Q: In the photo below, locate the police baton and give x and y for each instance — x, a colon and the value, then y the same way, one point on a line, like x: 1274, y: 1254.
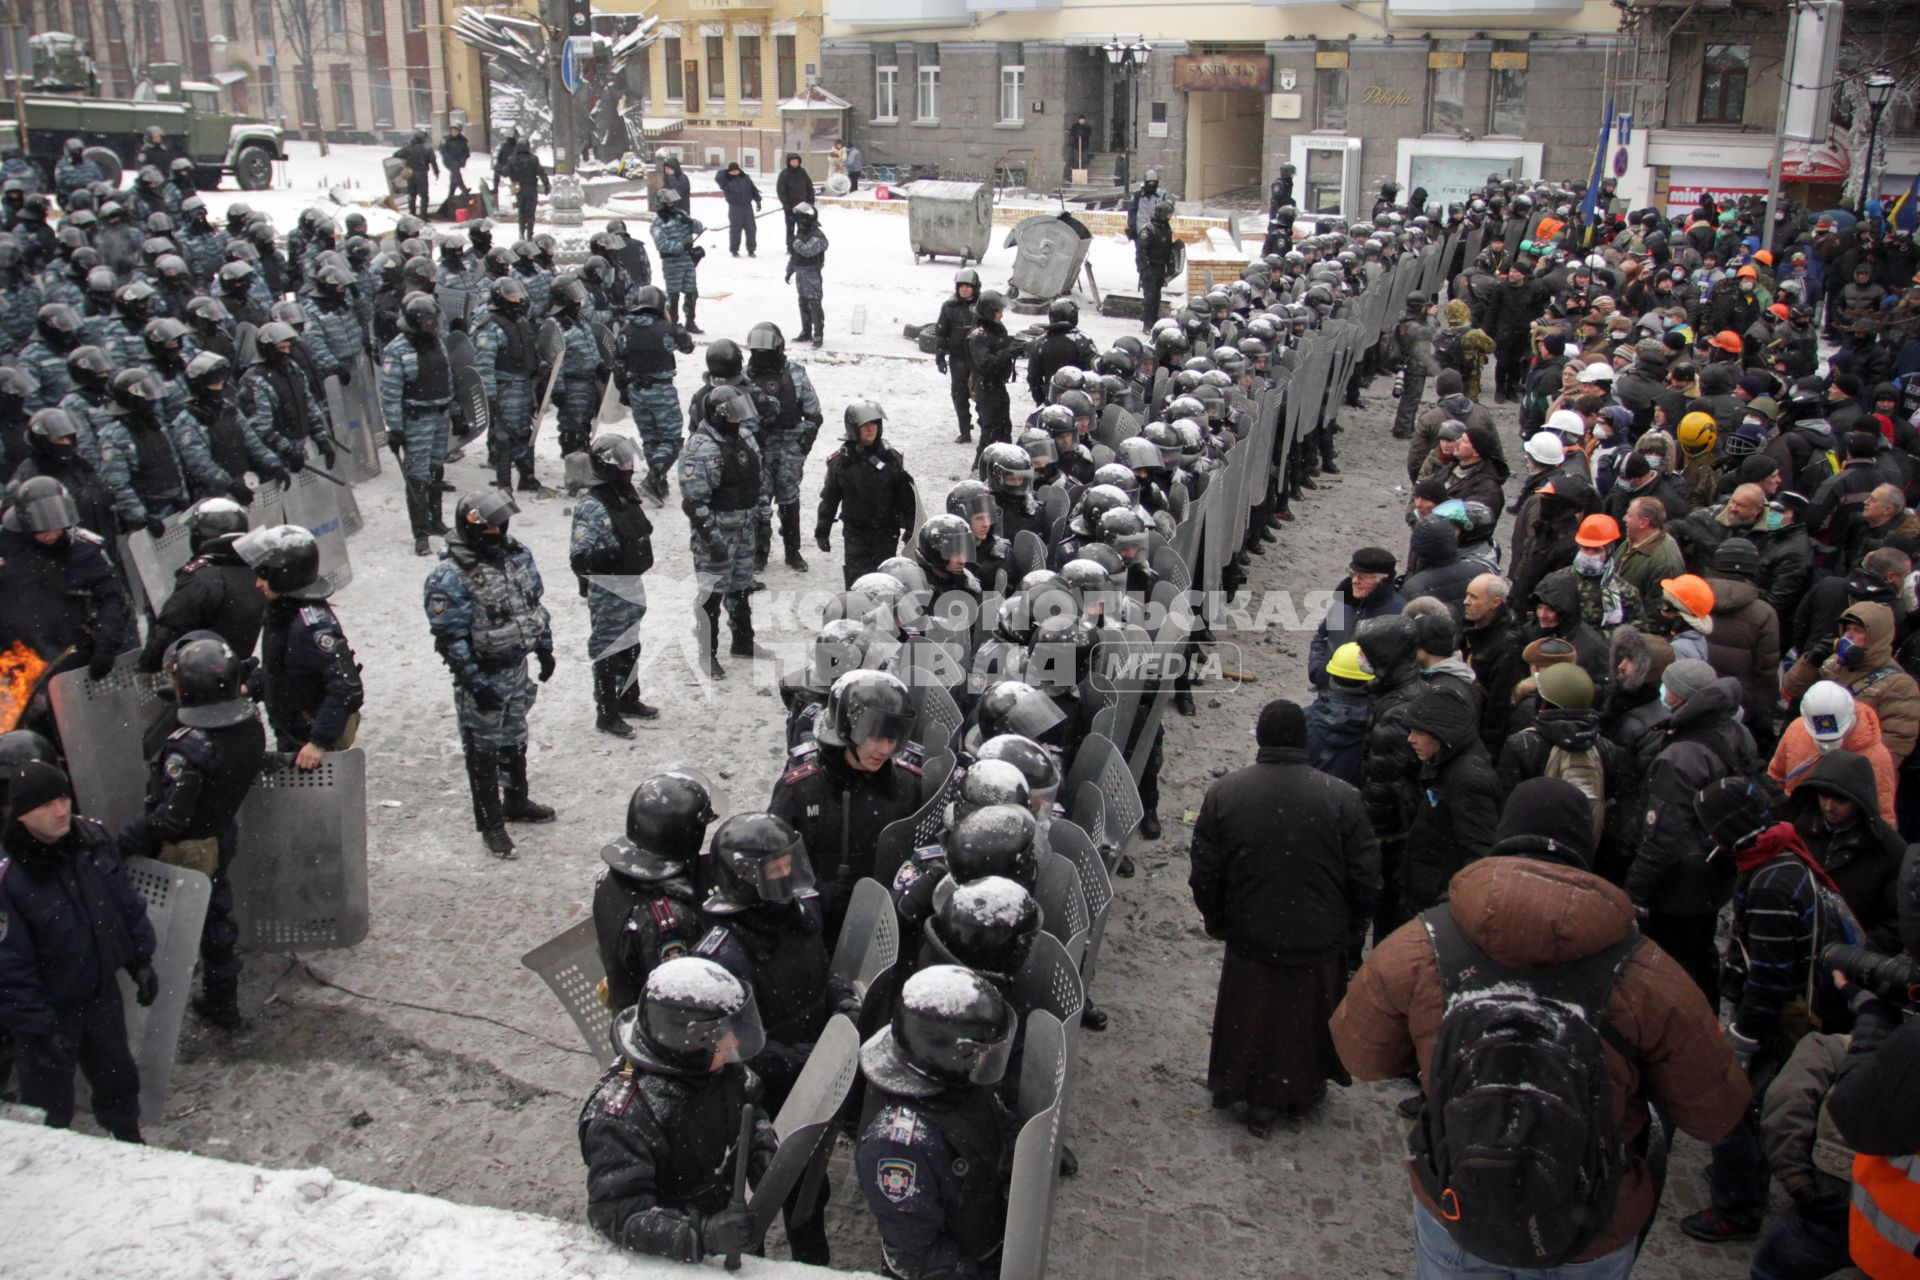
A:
x: 740, y: 1154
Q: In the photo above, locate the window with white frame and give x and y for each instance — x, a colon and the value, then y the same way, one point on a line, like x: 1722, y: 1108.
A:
x: 926, y: 102
x: 886, y: 93
x: 1013, y: 86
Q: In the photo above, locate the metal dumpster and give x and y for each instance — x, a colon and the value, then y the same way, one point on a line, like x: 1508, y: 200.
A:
x: 1050, y: 250
x: 951, y: 219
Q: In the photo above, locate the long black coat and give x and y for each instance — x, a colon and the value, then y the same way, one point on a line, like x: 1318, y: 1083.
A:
x: 1285, y: 867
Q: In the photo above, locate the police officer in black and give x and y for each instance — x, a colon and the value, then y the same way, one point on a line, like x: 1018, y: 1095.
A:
x: 53, y: 450
x: 846, y: 786
x: 1062, y: 345
x: 645, y: 909
x: 214, y: 591
x: 935, y: 1161
x: 659, y: 1133
x: 314, y: 693
x: 869, y: 490
x: 200, y: 777
x: 60, y: 590
x: 992, y: 352
x: 951, y: 332
x: 992, y: 840
x: 766, y: 930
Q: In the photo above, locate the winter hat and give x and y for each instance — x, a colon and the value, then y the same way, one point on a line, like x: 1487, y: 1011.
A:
x: 35, y: 783
x: 1282, y: 724
x: 1755, y: 385
x: 1548, y: 650
x: 1452, y: 429
x: 1549, y: 820
x: 1635, y: 468
x: 1847, y: 382
x: 1737, y: 556
x: 1449, y: 382
x: 1458, y: 312
x: 1546, y: 448
x: 1555, y: 344
x: 1435, y: 633
x: 1686, y: 677
x: 1484, y: 441
x: 1652, y: 352
x: 1371, y: 560
x: 1443, y: 712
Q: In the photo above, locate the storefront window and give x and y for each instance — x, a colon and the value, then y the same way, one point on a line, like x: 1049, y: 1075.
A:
x: 1446, y: 88
x: 1507, y: 105
x: 1723, y: 84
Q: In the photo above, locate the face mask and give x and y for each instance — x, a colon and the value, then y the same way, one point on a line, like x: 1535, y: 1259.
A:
x: 1590, y: 564
x: 1848, y: 653
x: 1602, y: 432
x: 1776, y: 520
x: 1654, y: 460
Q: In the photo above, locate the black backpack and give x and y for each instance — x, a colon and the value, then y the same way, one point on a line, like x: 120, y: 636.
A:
x: 1446, y: 351
x: 1516, y: 1142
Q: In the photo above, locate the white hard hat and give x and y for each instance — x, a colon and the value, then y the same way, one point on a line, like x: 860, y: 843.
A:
x: 1827, y: 711
x: 1600, y: 371
x: 1545, y: 448
x: 1567, y: 423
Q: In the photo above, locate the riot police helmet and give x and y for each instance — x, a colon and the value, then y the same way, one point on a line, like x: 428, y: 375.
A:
x: 725, y: 360
x: 215, y: 522
x: 987, y: 925
x: 613, y: 456
x: 667, y: 820
x: 866, y: 707
x: 757, y: 858
x: 207, y: 681
x: 995, y: 840
x: 693, y: 1018
x: 285, y: 557
x: 950, y: 1028
x: 40, y: 504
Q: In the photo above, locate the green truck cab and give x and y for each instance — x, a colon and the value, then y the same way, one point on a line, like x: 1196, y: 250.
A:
x: 188, y: 113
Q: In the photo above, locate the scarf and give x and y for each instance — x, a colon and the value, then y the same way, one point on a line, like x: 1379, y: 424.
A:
x: 1777, y: 840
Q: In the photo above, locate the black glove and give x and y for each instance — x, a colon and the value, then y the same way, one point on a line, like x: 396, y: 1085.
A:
x: 484, y: 697
x: 545, y: 658
x: 101, y: 665
x: 1817, y: 654
x: 54, y: 1053
x: 940, y: 361
x: 154, y: 526
x: 728, y: 1231
x: 240, y: 493
x: 346, y: 376
x: 279, y: 476
x: 789, y: 277
x: 397, y: 444
x: 146, y: 984
x: 823, y: 540
x: 298, y: 462
x: 327, y: 452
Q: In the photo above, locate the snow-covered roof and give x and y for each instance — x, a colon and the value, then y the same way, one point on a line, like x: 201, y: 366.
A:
x: 814, y: 98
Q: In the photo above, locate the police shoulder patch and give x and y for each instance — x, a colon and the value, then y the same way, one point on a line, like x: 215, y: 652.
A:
x: 315, y: 615
x: 617, y: 1094
x: 716, y: 938
x: 799, y: 773
x: 438, y: 603
x: 895, y: 1178
x: 903, y: 1126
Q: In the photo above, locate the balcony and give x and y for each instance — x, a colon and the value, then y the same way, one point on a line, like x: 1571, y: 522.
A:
x: 897, y: 13
x: 1470, y: 12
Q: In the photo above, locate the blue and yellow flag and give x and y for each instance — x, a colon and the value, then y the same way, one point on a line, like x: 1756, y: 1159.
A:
x: 1905, y: 213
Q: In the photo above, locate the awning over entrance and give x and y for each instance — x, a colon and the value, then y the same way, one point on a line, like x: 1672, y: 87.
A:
x: 814, y: 98
x: 1814, y: 162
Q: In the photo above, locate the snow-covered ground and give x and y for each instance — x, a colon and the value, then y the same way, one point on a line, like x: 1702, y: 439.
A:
x: 427, y: 1059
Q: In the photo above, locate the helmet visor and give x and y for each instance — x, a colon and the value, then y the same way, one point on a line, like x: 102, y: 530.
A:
x: 949, y: 540
x: 986, y: 1060
x: 1033, y: 717
x: 730, y: 1037
x: 45, y: 513
x: 976, y: 504
x: 873, y: 724
x: 1043, y: 451
x: 784, y: 876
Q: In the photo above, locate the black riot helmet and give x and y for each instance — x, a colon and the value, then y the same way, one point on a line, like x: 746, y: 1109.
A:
x: 1015, y: 707
x: 693, y: 1018
x: 24, y: 746
x: 1063, y: 314
x: 667, y: 820
x: 996, y: 840
x: 724, y: 360
x: 988, y: 925
x: 510, y: 295
x: 48, y: 425
x: 286, y: 558
x: 970, y: 498
x: 1032, y: 759
x: 651, y: 299
x: 943, y: 538
x: 480, y: 521
x: 215, y: 521
x: 766, y: 346
x: 967, y: 278
x: 613, y: 457
x: 728, y: 409
x: 40, y: 504
x: 859, y: 414
x: 950, y: 1029
x: 757, y: 858
x: 136, y: 389
x: 498, y: 262
x: 568, y: 295
x: 89, y: 366
x: 480, y: 235
x: 990, y: 782
x: 207, y: 683
x: 865, y: 706
x: 420, y: 314
x: 1060, y: 654
x: 990, y: 307
x: 58, y: 324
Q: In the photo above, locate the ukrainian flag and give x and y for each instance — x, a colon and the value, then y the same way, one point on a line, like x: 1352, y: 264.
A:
x: 1905, y: 213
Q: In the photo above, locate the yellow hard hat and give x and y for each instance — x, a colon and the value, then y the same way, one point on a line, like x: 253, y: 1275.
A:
x: 1698, y: 432
x: 1347, y: 664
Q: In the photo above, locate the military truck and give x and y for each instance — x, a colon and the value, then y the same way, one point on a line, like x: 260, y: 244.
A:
x: 188, y: 113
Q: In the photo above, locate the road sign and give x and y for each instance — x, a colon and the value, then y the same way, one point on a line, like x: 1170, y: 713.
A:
x: 570, y: 65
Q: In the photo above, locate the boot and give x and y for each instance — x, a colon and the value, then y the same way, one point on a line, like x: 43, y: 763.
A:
x: 514, y: 804
x: 1183, y: 703
x: 218, y: 1004
x: 740, y: 622
x: 790, y: 535
x: 692, y: 325
x: 706, y: 628
x: 762, y: 540
x: 626, y: 687
x: 606, y: 700
x: 437, y: 504
x: 483, y: 780
x: 529, y: 483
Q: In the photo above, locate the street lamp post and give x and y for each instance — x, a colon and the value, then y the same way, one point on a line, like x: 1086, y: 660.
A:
x: 1129, y: 58
x: 1879, y: 89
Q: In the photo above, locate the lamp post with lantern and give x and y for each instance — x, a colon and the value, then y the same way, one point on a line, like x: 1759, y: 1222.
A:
x: 1129, y: 59
x: 1879, y: 90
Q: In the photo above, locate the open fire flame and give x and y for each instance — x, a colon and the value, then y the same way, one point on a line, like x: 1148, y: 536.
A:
x: 21, y: 667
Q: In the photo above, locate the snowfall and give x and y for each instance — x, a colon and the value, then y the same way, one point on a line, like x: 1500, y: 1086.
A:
x: 439, y: 1080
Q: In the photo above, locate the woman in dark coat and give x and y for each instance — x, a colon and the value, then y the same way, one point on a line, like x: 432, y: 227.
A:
x: 1285, y: 872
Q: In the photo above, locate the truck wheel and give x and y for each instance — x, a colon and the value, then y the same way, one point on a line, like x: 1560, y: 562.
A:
x: 253, y: 168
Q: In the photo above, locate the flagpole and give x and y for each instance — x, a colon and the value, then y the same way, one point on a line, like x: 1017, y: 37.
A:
x: 1768, y: 214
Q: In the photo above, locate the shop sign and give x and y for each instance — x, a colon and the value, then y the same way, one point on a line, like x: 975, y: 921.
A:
x: 1379, y: 95
x: 1221, y: 72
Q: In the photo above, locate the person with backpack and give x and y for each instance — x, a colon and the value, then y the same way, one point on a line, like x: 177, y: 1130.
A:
x: 1456, y: 795
x: 1603, y: 1025
x: 1785, y: 909
x: 1564, y: 741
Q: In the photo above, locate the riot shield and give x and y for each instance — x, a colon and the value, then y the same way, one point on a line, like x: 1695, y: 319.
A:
x: 300, y: 866
x: 1096, y: 886
x: 1100, y: 764
x: 570, y: 966
x: 456, y: 306
x: 1063, y: 911
x: 471, y: 412
x: 365, y: 394
x: 1029, y: 553
x: 314, y: 504
x: 869, y: 939
x: 898, y: 839
x: 345, y: 467
x: 1055, y: 504
x: 1036, y: 1152
x: 603, y: 339
x: 176, y: 899
x: 101, y: 723
x: 269, y: 505
x: 805, y: 1124
x: 552, y: 344
x: 154, y: 561
x: 937, y: 716
x: 352, y: 432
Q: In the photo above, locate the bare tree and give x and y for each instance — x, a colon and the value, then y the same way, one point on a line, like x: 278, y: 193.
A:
x: 1860, y: 55
x: 128, y: 24
x: 303, y: 25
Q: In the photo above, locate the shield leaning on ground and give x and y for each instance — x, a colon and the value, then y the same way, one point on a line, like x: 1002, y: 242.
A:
x: 101, y: 723
x: 300, y: 868
x: 314, y: 505
x: 1036, y: 1152
x: 806, y: 1121
x: 344, y: 466
x: 471, y: 412
x: 176, y: 899
x: 552, y: 344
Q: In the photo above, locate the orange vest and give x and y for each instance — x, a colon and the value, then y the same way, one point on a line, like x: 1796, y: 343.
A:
x: 1883, y: 1221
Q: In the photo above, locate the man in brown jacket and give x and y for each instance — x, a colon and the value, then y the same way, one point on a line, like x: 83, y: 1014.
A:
x: 1861, y: 658
x: 1533, y: 904
x: 1745, y: 640
x: 1646, y: 556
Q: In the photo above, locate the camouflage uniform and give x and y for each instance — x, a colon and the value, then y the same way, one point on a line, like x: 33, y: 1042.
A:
x: 644, y: 366
x: 121, y: 341
x: 460, y: 278
x: 806, y: 256
x: 416, y: 394
x: 486, y: 618
x: 205, y: 252
x: 193, y: 444
x: 719, y: 484
x: 508, y: 362
x: 333, y: 335
x: 70, y: 175
x: 673, y: 238
x: 577, y: 394
x: 50, y: 368
x: 19, y: 308
x: 539, y: 289
x: 120, y: 463
x: 785, y: 440
x: 614, y: 616
x: 58, y: 285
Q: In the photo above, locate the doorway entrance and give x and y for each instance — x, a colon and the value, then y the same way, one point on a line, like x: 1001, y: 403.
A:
x: 1224, y: 139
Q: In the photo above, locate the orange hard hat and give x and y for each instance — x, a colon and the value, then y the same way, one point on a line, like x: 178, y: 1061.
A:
x: 1726, y: 340
x: 1765, y: 255
x: 1597, y: 531
x: 1748, y: 273
x: 1779, y: 309
x: 1689, y: 594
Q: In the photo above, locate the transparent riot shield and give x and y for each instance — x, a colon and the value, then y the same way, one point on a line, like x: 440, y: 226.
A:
x: 101, y: 723
x: 569, y: 964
